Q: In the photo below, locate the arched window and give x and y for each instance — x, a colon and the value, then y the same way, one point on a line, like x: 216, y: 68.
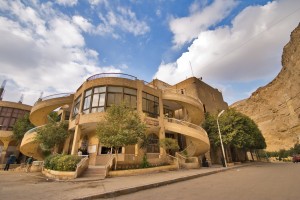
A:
x: 153, y: 146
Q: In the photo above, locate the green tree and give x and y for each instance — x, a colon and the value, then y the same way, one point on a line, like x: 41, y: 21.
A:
x: 120, y: 127
x: 169, y: 144
x: 53, y: 134
x: 21, y: 126
x: 237, y: 130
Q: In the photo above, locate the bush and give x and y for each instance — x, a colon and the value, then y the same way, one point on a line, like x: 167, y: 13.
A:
x: 145, y: 163
x: 62, y: 162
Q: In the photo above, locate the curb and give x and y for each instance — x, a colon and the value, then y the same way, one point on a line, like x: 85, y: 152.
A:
x: 123, y: 191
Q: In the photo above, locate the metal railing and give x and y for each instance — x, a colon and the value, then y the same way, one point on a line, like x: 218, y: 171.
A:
x: 174, y: 159
x: 53, y: 96
x: 185, y: 123
x: 118, y: 75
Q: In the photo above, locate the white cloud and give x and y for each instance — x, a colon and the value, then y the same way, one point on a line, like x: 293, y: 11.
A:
x: 42, y: 49
x: 249, y: 50
x: 201, y: 18
x: 67, y: 2
x: 82, y: 23
x: 97, y: 2
x: 123, y: 19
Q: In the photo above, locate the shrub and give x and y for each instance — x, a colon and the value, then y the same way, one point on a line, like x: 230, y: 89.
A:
x: 145, y: 163
x: 61, y: 162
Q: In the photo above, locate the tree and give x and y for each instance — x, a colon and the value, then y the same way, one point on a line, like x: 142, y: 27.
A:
x: 169, y: 144
x: 53, y: 134
x: 21, y: 126
x: 237, y: 130
x: 120, y: 127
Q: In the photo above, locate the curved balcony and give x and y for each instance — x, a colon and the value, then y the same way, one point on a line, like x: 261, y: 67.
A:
x: 193, y: 106
x: 29, y: 146
x: 194, y: 134
x: 118, y: 75
x: 40, y: 110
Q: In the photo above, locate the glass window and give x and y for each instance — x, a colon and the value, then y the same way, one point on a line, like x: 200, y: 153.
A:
x: 129, y: 91
x: 150, y: 105
x: 115, y: 89
x: 76, y: 106
x: 100, y: 89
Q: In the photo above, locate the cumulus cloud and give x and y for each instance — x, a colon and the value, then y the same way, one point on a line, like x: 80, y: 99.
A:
x: 42, y: 49
x: 248, y: 50
x: 201, y: 17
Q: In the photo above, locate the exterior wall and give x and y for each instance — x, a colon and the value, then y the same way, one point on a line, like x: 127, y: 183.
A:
x: 211, y: 97
x: 7, y: 143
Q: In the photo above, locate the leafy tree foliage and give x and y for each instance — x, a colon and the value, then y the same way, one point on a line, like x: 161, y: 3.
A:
x: 21, y: 126
x: 52, y: 134
x: 121, y: 127
x: 169, y: 144
x: 237, y: 130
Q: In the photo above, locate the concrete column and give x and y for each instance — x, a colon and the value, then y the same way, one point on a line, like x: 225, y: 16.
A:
x: 66, y: 145
x: 139, y: 97
x: 3, y: 154
x: 136, y: 150
x: 63, y: 116
x: 76, y: 139
x: 162, y: 151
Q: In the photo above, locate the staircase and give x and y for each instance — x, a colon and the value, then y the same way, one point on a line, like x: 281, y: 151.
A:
x: 96, y: 172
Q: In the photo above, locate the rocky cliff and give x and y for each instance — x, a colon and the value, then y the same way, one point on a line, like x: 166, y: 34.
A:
x: 276, y: 106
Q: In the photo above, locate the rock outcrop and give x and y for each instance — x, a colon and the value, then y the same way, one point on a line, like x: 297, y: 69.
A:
x: 276, y: 106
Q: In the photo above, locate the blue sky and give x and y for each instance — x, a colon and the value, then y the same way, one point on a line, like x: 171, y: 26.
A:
x: 53, y: 46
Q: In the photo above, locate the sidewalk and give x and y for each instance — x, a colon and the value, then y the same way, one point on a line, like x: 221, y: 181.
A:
x: 124, y: 185
x: 35, y: 186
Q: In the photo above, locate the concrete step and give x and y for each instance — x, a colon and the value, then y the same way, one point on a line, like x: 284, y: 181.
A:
x: 94, y: 172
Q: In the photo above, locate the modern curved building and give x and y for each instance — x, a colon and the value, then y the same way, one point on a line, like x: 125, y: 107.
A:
x: 9, y: 113
x: 175, y: 111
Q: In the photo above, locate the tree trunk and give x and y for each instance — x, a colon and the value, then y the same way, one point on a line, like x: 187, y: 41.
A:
x: 116, y: 154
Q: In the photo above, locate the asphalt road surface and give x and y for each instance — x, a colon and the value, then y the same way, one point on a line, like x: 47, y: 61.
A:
x: 260, y: 181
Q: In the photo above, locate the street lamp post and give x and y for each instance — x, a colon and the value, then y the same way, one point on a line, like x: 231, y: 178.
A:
x: 221, y: 137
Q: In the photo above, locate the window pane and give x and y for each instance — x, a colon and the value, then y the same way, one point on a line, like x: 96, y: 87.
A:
x: 127, y: 100
x: 144, y: 95
x: 15, y: 113
x: 95, y: 100
x: 102, y: 100
x: 99, y: 89
x: 87, y: 102
x: 8, y: 112
x: 12, y: 122
x: 88, y: 92
x: 144, y: 105
x: 118, y: 99
x: 150, y: 97
x: 110, y: 99
x: 133, y: 101
x: 115, y: 89
x: 130, y: 91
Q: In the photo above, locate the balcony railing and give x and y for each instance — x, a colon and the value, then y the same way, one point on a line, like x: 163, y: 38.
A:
x: 53, y: 96
x: 118, y: 75
x: 185, y: 123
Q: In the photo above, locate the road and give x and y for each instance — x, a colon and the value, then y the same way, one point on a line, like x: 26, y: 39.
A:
x: 260, y: 181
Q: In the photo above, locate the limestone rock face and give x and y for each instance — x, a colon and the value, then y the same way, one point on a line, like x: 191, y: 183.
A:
x: 276, y: 107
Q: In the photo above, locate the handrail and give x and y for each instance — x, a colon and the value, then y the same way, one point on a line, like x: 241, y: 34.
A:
x: 34, y: 129
x: 102, y: 75
x: 185, y: 123
x: 109, y: 164
x: 174, y: 158
x: 81, y: 166
x: 54, y: 96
